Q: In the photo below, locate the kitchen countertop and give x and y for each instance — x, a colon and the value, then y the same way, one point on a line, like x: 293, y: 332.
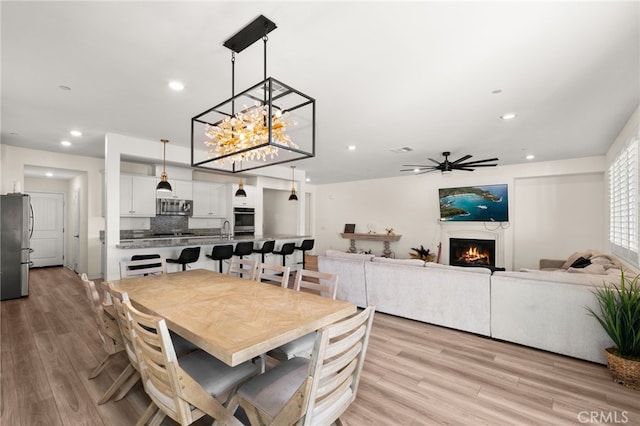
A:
x: 192, y: 240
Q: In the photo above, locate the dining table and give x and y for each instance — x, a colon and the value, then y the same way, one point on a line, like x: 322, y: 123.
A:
x: 234, y: 319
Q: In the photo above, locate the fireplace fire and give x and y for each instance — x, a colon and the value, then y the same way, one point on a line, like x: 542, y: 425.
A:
x: 471, y: 252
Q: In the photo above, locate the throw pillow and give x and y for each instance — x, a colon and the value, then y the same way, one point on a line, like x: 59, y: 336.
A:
x: 580, y: 262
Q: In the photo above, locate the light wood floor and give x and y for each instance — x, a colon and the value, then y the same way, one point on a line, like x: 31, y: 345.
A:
x: 415, y: 373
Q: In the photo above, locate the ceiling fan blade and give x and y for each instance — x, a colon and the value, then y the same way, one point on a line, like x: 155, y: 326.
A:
x: 479, y: 165
x: 426, y: 171
x: 461, y: 159
x: 431, y: 159
x: 414, y: 169
x: 415, y: 165
x: 464, y: 168
x: 479, y: 161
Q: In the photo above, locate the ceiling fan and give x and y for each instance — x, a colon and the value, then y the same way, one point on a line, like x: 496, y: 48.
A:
x: 447, y: 166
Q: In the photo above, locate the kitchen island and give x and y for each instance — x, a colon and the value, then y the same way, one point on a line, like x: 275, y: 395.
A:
x: 171, y: 246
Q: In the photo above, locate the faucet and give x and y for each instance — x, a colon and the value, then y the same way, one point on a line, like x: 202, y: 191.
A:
x: 226, y: 229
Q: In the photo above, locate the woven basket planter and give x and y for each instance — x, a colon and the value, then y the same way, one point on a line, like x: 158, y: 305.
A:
x: 624, y: 371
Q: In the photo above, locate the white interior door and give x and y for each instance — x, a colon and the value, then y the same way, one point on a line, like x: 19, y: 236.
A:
x: 76, y: 230
x: 47, y: 240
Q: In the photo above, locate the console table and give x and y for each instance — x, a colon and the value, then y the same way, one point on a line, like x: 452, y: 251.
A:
x: 386, y: 239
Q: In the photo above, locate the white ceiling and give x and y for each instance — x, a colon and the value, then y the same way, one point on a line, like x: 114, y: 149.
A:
x: 384, y: 75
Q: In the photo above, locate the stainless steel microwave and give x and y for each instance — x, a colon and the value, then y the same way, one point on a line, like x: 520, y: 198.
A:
x: 173, y: 207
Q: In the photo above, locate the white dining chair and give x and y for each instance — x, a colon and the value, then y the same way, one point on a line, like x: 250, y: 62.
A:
x: 188, y: 388
x: 322, y: 283
x: 243, y: 268
x: 137, y: 268
x: 273, y: 274
x: 314, y: 391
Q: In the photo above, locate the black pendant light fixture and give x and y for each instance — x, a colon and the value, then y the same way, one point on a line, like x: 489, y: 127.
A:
x: 164, y: 185
x: 274, y: 123
x: 293, y: 196
x: 241, y: 192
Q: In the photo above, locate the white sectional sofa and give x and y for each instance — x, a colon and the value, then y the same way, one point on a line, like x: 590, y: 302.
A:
x: 546, y: 310
x: 540, y: 309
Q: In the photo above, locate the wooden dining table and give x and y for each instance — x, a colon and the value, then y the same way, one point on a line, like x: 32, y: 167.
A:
x: 231, y: 318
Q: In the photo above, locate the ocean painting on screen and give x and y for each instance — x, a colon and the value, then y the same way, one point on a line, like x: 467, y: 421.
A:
x: 486, y: 203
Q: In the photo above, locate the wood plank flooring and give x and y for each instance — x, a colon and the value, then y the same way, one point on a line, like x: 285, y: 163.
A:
x: 415, y: 373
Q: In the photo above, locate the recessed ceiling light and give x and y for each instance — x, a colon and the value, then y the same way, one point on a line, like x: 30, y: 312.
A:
x: 308, y: 180
x: 401, y: 150
x: 509, y: 116
x: 65, y: 143
x: 62, y: 87
x: 75, y: 133
x: 176, y: 85
x: 530, y: 157
x: 48, y: 174
x: 351, y: 147
x: 416, y: 170
x: 496, y: 91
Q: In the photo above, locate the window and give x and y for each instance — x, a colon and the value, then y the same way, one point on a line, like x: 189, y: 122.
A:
x: 623, y: 203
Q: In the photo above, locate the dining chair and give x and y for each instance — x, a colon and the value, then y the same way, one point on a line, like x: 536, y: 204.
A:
x: 111, y: 337
x: 322, y: 283
x: 314, y: 391
x: 188, y: 388
x: 136, y: 268
x: 132, y: 372
x: 243, y: 268
x: 273, y: 274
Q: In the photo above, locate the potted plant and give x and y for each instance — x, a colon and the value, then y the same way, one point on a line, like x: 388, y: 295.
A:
x: 620, y: 318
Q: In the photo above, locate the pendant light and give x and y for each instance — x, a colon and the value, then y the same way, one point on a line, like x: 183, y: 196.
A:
x: 241, y: 192
x: 293, y: 196
x: 164, y: 185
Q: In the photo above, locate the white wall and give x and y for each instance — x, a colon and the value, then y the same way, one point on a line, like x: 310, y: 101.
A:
x: 14, y: 159
x: 410, y: 206
x: 280, y: 216
x: 555, y: 213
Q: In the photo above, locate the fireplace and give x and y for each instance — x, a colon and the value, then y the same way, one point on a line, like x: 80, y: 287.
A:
x: 472, y: 252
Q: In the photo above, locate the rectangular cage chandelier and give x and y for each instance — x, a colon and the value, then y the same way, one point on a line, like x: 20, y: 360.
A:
x: 269, y: 123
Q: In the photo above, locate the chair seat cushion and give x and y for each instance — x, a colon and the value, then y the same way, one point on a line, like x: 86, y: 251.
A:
x: 302, y: 346
x: 181, y: 345
x: 270, y: 391
x: 213, y: 375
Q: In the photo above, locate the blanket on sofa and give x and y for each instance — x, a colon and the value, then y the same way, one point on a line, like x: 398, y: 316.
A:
x: 592, y: 262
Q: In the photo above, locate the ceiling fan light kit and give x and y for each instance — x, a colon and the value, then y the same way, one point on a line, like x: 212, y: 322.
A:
x: 275, y: 123
x: 446, y: 166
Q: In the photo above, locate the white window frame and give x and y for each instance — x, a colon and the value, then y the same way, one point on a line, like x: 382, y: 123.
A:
x: 624, y: 202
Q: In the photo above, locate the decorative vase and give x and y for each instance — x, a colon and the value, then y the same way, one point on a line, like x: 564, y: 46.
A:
x: 624, y: 371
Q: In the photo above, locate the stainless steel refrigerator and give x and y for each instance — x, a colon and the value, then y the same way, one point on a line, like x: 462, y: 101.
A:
x: 16, y: 218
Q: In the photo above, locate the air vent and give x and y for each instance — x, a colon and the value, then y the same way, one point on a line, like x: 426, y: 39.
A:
x: 401, y: 150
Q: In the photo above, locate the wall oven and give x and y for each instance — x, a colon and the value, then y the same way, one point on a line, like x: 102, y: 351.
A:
x: 244, y: 221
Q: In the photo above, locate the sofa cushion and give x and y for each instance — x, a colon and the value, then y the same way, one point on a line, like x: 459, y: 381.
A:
x: 479, y: 270
x: 354, y: 256
x: 406, y: 262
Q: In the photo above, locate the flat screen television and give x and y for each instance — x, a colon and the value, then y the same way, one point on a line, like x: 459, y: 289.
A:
x: 484, y: 203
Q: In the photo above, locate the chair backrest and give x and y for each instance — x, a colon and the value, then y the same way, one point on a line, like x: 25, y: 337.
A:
x: 157, y: 361
x: 243, y: 248
x: 287, y: 248
x: 306, y: 245
x: 108, y: 329
x: 243, y: 268
x: 136, y: 268
x: 222, y: 252
x: 336, y: 366
x: 267, y: 247
x: 273, y: 274
x: 189, y: 255
x: 119, y: 298
x: 324, y: 283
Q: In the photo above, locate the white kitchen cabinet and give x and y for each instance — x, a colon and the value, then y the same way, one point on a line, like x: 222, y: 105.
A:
x: 180, y: 190
x: 248, y: 201
x: 137, y: 196
x: 209, y: 199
